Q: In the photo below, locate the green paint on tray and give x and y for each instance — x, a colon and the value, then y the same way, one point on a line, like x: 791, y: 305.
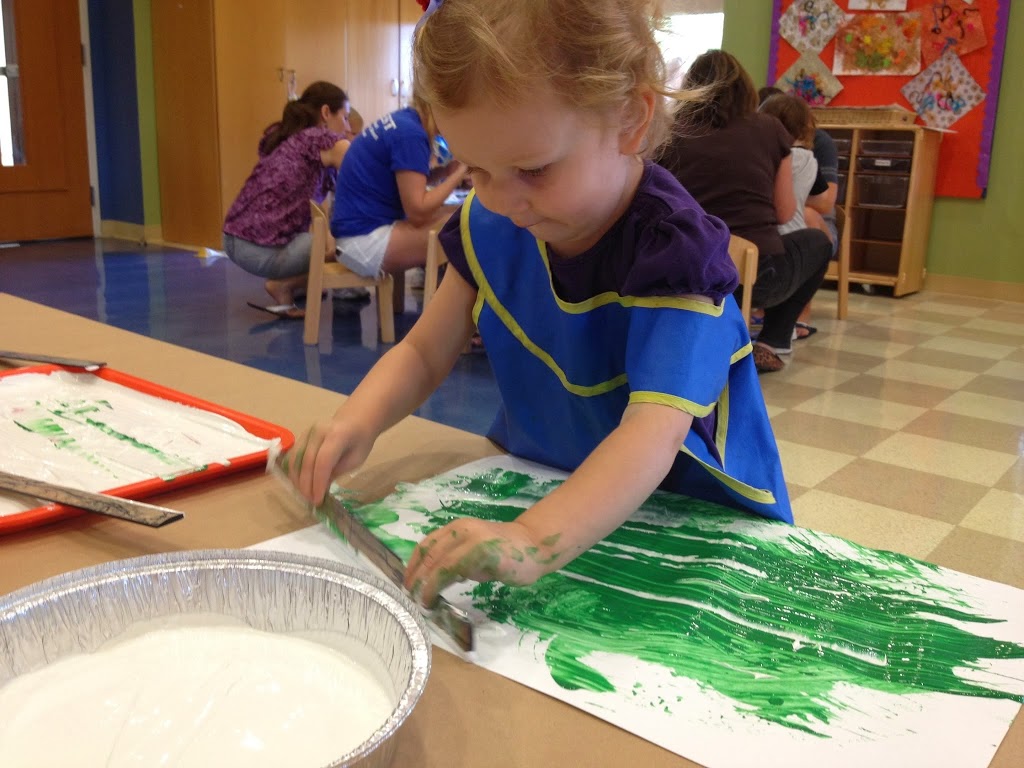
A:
x: 51, y: 427
x: 770, y: 616
x: 71, y: 411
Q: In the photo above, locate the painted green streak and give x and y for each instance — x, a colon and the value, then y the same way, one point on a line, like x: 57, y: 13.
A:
x: 774, y: 622
x: 50, y: 428
x: 72, y: 412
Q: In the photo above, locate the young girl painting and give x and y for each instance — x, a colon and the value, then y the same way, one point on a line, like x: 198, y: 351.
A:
x: 602, y: 291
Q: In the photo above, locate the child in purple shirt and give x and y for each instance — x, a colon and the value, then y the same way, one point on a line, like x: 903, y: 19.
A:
x: 266, y: 231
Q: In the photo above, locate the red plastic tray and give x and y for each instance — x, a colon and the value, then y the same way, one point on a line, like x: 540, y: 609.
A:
x: 263, y: 429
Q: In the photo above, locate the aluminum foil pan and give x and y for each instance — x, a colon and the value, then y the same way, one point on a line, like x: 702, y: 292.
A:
x: 271, y: 591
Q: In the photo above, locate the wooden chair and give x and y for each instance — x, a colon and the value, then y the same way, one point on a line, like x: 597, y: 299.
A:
x: 744, y: 256
x: 435, y: 260
x: 327, y: 275
x: 839, y: 270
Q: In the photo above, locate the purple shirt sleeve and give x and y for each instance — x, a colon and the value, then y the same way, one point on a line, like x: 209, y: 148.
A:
x: 664, y: 245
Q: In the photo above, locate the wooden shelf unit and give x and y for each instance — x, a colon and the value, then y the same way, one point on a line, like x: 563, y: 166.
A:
x: 888, y: 240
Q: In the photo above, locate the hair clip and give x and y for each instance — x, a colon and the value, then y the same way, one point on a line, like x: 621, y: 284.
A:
x: 428, y: 6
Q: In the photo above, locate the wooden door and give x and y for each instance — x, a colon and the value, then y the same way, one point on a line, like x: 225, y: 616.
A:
x: 315, y: 42
x: 408, y: 16
x: 252, y: 83
x: 188, y: 152
x: 47, y: 194
x: 372, y: 55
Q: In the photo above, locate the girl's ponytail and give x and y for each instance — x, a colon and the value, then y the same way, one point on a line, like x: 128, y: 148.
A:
x: 303, y: 113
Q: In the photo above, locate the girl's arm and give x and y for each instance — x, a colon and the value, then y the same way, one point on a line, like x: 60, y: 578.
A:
x: 421, y: 204
x: 332, y: 157
x: 784, y: 197
x: 596, y: 499
x: 399, y: 382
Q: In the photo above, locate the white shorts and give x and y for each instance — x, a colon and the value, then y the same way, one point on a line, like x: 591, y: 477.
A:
x: 364, y: 254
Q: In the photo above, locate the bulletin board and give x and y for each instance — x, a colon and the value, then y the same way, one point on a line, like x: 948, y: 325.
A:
x: 940, y: 58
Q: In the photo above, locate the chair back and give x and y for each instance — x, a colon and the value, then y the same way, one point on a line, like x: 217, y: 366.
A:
x: 333, y: 274
x: 744, y: 256
x: 318, y: 229
x: 436, y: 258
x: 839, y: 270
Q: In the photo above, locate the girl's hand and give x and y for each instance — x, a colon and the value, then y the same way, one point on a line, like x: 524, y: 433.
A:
x: 328, y: 450
x: 479, y: 550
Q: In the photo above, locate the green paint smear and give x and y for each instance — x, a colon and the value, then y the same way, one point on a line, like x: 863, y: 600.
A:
x: 51, y: 428
x: 774, y: 624
x: 69, y: 412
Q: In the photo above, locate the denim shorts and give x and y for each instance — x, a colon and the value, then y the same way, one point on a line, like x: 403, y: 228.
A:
x: 364, y: 254
x: 271, y: 262
x: 833, y: 233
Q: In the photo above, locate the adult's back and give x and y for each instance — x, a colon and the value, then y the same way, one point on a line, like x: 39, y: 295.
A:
x: 369, y: 196
x: 738, y: 166
x: 731, y: 172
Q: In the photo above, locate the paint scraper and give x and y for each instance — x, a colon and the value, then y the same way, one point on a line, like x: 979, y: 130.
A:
x: 334, y: 513
x: 112, y: 506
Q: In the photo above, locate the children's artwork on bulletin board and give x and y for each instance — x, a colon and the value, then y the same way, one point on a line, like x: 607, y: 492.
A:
x: 811, y: 80
x: 954, y: 24
x: 879, y: 44
x: 944, y: 92
x: 878, y: 5
x: 979, y: 29
x: 809, y: 25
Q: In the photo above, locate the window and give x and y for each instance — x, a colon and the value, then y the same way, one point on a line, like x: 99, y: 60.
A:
x: 694, y: 26
x: 11, y: 138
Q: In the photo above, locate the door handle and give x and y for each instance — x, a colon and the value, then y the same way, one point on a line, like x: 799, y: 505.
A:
x: 11, y: 70
x: 394, y: 87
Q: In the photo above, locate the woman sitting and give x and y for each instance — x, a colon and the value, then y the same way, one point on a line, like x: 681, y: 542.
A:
x: 266, y: 231
x: 385, y: 211
x: 737, y: 164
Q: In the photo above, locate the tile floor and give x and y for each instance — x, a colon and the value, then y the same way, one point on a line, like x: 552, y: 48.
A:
x: 901, y: 427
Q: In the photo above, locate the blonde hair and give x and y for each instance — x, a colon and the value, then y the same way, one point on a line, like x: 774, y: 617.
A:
x: 597, y: 55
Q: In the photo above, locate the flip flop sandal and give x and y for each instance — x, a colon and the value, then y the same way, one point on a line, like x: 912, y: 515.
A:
x: 803, y: 330
x: 284, y: 311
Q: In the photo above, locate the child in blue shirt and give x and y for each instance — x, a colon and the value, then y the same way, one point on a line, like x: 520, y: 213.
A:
x: 602, y: 291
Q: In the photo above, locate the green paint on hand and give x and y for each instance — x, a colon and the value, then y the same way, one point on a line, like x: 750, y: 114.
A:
x: 772, y: 617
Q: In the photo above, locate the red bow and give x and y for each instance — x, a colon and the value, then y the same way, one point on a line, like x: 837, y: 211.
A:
x: 423, y: 4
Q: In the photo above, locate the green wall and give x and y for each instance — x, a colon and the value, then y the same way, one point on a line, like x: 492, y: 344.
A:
x: 147, y: 112
x: 978, y: 239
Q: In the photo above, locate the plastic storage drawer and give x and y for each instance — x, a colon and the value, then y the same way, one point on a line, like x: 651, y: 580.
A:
x: 883, y: 191
x: 879, y: 224
x: 842, y: 145
x: 888, y: 147
x: 872, y: 163
x: 841, y: 192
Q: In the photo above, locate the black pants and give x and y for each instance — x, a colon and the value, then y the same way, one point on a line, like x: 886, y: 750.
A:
x: 787, y: 281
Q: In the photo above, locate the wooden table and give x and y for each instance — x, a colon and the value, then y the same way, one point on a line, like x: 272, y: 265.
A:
x: 468, y: 716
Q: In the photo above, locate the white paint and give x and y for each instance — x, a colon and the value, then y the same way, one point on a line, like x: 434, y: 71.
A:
x: 187, y: 438
x: 192, y: 697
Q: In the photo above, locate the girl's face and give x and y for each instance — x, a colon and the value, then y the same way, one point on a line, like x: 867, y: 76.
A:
x: 562, y: 173
x: 337, y: 122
